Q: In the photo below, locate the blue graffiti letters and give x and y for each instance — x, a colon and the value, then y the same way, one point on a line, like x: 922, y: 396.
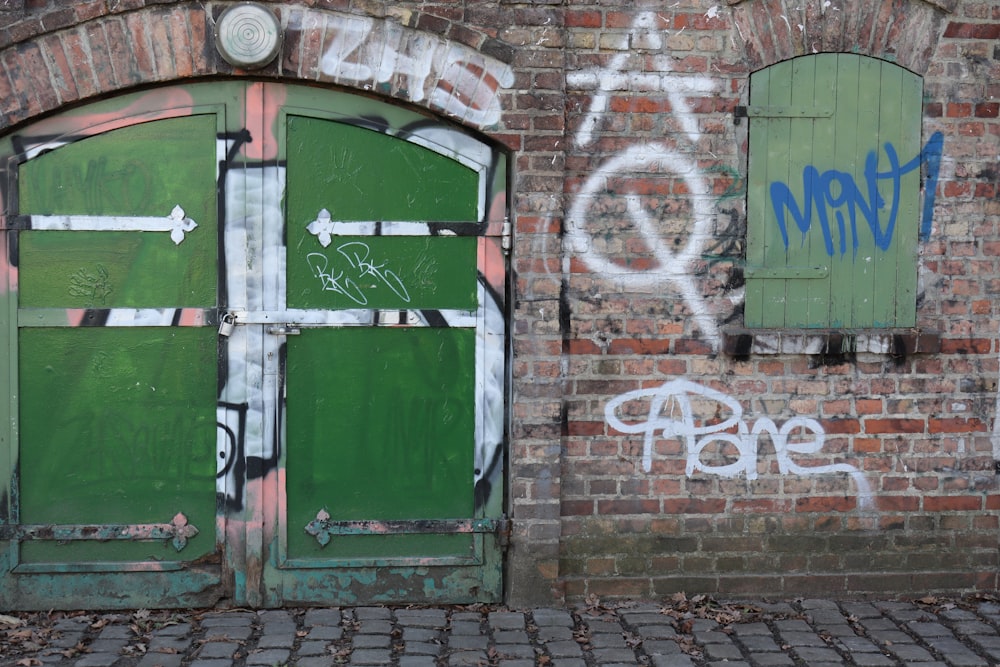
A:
x: 838, y: 191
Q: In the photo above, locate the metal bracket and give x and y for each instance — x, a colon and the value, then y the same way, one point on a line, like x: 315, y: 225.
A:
x: 177, y: 223
x: 323, y: 529
x: 178, y: 531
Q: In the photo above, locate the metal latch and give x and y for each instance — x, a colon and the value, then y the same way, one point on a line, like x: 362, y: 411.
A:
x: 284, y: 330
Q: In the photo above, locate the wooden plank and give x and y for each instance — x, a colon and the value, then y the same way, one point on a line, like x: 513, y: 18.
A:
x: 820, y: 293
x: 859, y: 263
x: 778, y: 138
x: 801, y: 155
x: 846, y: 161
x: 899, y: 305
x: 756, y: 201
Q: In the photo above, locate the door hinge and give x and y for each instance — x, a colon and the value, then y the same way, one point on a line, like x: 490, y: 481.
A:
x: 504, y: 528
x: 506, y: 237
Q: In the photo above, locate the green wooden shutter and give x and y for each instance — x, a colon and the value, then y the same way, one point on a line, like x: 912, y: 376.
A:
x: 833, y: 200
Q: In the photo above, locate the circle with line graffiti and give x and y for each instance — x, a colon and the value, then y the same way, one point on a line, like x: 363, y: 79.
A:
x: 248, y: 36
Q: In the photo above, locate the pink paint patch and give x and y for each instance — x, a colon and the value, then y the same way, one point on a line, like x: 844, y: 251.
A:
x: 262, y: 104
x: 192, y: 317
x: 156, y: 105
x: 74, y: 316
x: 7, y: 269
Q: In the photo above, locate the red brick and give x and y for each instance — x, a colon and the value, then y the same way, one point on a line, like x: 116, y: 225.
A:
x: 585, y: 428
x: 638, y: 346
x: 691, y: 346
x: 577, y: 507
x: 578, y: 346
x: 825, y: 504
x: 958, y: 109
x: 898, y: 503
x: 955, y: 425
x: 843, y: 425
x: 693, y: 505
x: 60, y: 68
x: 868, y: 406
x: 138, y: 40
x: 100, y: 54
x: 628, y: 506
x: 959, y: 30
x: 180, y: 43
x: 122, y: 59
x: 579, y: 18
x: 965, y: 345
x: 620, y: 587
x: 82, y: 73
x: 894, y: 425
x: 761, y: 505
x: 987, y: 109
x: 952, y: 503
x: 89, y: 9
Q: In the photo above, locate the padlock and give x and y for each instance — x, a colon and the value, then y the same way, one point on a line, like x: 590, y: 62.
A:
x: 227, y: 324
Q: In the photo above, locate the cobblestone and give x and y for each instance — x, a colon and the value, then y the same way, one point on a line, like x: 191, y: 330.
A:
x: 803, y: 633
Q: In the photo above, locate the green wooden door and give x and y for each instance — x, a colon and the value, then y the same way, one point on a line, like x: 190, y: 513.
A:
x: 112, y: 284
x: 256, y: 341
x: 833, y: 196
x: 388, y: 340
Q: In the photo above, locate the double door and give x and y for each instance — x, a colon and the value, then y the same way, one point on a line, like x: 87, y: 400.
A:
x: 256, y: 342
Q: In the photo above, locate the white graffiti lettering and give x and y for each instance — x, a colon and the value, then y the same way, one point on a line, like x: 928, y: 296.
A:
x: 672, y: 415
x: 356, y: 254
x: 673, y: 267
x: 461, y: 81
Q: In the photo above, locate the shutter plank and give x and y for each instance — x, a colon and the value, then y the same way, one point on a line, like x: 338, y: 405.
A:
x: 778, y: 148
x: 757, y: 212
x: 908, y: 143
x: 846, y: 160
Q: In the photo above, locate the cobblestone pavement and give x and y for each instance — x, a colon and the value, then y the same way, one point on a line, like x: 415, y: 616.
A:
x: 701, y: 631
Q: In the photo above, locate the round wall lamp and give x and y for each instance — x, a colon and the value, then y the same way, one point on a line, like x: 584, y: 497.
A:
x: 248, y: 35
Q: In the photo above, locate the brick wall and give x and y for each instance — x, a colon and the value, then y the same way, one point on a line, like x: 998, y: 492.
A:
x: 842, y: 462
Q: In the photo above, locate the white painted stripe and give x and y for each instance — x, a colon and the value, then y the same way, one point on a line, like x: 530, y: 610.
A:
x: 176, y: 223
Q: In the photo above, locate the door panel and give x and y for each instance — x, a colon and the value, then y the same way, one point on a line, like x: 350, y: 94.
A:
x: 393, y: 443
x: 385, y: 377
x: 338, y: 440
x: 111, y: 254
x: 122, y: 426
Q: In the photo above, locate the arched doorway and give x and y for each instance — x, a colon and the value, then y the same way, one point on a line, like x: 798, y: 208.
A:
x: 256, y: 336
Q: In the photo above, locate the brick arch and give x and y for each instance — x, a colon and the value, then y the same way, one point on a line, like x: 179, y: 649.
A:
x: 116, y: 52
x: 902, y: 31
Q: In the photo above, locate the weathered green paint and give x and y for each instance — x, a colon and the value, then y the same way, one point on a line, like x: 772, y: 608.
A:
x: 121, y: 423
x: 408, y: 181
x: 380, y: 433
x: 392, y: 442
x: 336, y: 167
x: 828, y: 111
x: 114, y: 425
x: 382, y: 272
x: 141, y: 170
